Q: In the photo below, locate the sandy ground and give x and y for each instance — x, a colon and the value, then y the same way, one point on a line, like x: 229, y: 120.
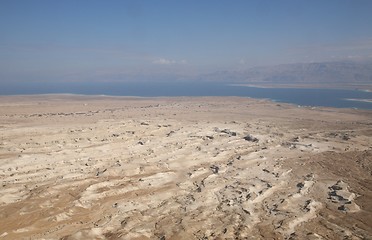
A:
x: 79, y: 167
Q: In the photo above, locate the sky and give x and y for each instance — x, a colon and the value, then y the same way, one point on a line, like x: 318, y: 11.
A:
x: 122, y: 40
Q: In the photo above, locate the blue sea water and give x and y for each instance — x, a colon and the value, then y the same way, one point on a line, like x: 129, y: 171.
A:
x: 299, y: 96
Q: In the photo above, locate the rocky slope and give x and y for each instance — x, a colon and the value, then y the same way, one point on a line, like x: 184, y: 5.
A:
x: 185, y: 168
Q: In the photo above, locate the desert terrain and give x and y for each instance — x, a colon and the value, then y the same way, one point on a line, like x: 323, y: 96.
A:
x: 98, y: 167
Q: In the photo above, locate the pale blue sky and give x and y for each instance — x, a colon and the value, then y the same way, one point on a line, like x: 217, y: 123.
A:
x: 77, y: 40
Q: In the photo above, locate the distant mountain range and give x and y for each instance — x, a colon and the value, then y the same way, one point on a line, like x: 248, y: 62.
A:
x: 345, y: 74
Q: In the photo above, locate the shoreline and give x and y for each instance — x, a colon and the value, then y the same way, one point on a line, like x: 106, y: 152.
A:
x: 87, y: 97
x: 359, y: 100
x: 306, y: 86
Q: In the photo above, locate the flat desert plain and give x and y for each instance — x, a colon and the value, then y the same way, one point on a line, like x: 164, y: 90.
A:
x: 97, y: 167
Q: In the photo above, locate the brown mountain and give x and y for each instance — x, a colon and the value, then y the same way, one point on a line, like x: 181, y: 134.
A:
x: 333, y: 74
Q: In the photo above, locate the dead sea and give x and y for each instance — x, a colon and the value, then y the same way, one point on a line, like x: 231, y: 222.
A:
x: 313, y: 97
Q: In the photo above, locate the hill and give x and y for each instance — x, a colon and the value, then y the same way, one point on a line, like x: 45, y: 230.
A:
x: 346, y: 74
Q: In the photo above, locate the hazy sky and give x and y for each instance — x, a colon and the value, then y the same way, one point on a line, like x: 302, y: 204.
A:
x: 90, y: 40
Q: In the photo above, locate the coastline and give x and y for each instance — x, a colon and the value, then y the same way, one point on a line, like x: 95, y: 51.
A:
x: 363, y: 88
x: 278, y: 97
x: 359, y: 100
